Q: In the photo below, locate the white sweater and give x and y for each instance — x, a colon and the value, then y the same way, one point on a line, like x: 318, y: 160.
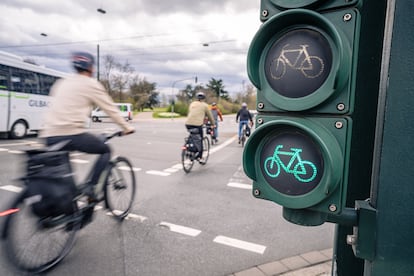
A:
x: 72, y: 101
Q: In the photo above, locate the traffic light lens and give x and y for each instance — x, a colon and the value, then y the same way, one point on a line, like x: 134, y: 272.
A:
x: 298, y: 63
x: 291, y: 162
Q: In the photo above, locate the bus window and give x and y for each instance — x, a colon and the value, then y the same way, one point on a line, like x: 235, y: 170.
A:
x: 24, y: 81
x: 4, y: 82
x: 46, y: 83
x: 16, y: 82
x: 30, y: 82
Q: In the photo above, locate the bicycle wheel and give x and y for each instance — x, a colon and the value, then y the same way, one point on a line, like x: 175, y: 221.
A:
x: 305, y: 171
x: 243, y: 139
x: 120, y: 186
x: 206, y: 150
x: 272, y: 167
x: 187, y: 159
x: 35, y: 244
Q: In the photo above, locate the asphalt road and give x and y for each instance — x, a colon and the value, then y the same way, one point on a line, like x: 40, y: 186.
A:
x: 202, y: 223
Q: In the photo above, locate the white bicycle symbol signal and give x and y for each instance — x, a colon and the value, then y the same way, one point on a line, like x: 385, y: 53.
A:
x: 297, y: 59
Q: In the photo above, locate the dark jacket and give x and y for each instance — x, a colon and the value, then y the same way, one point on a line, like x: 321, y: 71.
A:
x: 244, y: 115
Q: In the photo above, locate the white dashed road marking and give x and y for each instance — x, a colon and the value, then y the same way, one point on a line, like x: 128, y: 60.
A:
x: 125, y: 168
x: 16, y: 151
x: 160, y: 173
x: 257, y: 248
x: 79, y: 161
x: 239, y: 185
x: 129, y: 216
x: 11, y: 188
x: 181, y: 229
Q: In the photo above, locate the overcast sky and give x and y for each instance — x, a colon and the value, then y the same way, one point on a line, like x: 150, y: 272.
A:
x: 162, y: 39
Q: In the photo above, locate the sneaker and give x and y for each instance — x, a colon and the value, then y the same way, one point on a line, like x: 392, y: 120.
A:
x: 239, y: 140
x: 201, y: 161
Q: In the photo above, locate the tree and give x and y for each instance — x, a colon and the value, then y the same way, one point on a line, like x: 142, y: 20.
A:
x: 109, y: 64
x: 121, y: 77
x: 218, y: 88
x: 116, y: 77
x: 247, y: 96
x: 144, y: 93
x: 187, y: 94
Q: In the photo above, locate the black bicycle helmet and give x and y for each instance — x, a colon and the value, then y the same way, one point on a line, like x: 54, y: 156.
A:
x: 201, y: 96
x: 82, y: 61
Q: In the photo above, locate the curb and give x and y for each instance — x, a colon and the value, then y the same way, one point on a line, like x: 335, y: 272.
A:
x: 314, y: 263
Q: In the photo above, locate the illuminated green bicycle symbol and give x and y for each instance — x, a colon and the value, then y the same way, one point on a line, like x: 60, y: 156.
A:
x: 300, y: 169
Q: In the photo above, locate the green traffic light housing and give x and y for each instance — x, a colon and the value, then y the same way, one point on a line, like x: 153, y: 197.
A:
x: 299, y: 162
x: 302, y: 60
x: 271, y: 7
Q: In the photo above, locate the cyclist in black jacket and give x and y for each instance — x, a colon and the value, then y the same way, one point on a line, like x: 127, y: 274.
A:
x: 244, y: 115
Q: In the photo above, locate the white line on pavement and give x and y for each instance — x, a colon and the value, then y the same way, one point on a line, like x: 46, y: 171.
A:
x: 19, y: 144
x: 11, y: 188
x: 171, y: 170
x: 257, y: 248
x: 226, y: 143
x: 16, y: 151
x: 240, y: 185
x: 181, y: 229
x: 129, y: 216
x: 125, y: 168
x: 158, y: 173
x: 79, y: 161
x: 2, y: 149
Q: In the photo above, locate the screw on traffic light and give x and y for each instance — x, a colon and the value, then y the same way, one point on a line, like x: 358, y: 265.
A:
x: 303, y: 62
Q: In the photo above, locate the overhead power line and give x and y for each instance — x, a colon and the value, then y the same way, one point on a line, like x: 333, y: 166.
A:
x: 97, y: 40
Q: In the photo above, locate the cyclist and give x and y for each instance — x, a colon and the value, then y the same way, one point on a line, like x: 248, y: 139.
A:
x: 197, y: 111
x: 72, y: 100
x: 244, y: 115
x: 216, y: 112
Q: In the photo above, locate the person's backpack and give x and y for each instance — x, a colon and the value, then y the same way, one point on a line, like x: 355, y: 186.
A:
x: 50, y: 184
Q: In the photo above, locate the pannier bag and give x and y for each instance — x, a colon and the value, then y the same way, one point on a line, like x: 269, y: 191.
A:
x: 50, y: 184
x: 194, y: 143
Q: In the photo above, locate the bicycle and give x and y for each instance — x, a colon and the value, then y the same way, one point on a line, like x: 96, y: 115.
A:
x: 36, y: 244
x: 190, y: 151
x: 273, y: 164
x: 211, y: 131
x: 310, y: 66
x: 244, y: 134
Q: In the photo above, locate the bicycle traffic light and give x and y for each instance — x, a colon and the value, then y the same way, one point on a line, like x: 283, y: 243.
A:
x: 303, y: 61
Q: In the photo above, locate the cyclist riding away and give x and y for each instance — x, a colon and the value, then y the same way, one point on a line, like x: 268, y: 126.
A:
x: 216, y: 112
x: 72, y: 100
x: 244, y: 115
x: 197, y: 111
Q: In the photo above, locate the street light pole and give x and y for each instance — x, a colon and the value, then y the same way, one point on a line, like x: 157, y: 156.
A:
x: 97, y: 62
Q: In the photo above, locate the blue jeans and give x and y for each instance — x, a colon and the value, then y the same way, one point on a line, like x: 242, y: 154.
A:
x: 89, y: 143
x: 241, y: 127
x: 216, y: 131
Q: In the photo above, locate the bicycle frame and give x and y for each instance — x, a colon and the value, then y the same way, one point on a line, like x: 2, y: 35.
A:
x: 297, y: 170
x: 301, y: 51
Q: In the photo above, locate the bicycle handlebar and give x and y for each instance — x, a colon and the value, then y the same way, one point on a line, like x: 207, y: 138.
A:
x: 116, y: 133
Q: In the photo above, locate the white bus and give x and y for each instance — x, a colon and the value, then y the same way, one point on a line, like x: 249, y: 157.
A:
x: 24, y: 95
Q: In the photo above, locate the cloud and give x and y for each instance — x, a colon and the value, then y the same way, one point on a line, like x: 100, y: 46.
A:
x: 162, y: 40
